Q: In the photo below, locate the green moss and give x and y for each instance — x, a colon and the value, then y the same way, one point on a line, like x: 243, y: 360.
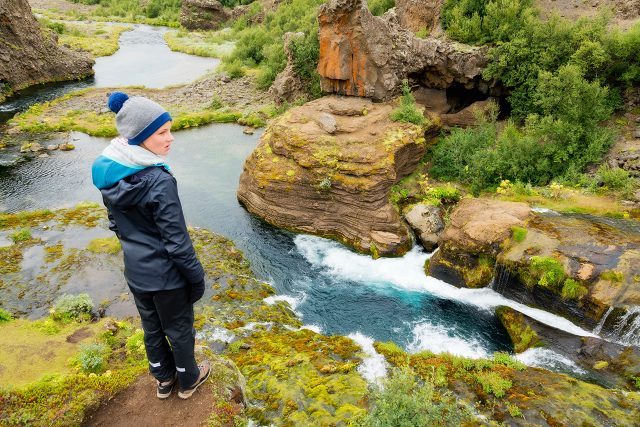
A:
x: 54, y: 252
x: 572, y: 289
x: 612, y: 276
x: 521, y: 334
x: 493, y: 382
x: 25, y: 219
x: 5, y: 316
x: 546, y: 272
x: 518, y: 233
x: 10, y: 259
x: 21, y: 235
x: 109, y: 245
x: 481, y: 274
x: 601, y: 364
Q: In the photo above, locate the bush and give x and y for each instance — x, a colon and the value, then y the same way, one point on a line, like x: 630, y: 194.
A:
x: 402, y: 401
x: 72, y: 307
x: 546, y: 272
x: 615, y: 179
x: 234, y: 69
x: 407, y: 112
x: 484, y: 21
x: 93, y: 358
x: 379, y: 7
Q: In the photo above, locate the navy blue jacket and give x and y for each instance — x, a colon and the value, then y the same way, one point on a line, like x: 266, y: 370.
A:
x: 146, y: 215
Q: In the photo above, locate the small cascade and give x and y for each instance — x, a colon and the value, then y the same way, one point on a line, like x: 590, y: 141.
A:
x: 627, y: 328
x: 602, y: 321
x: 500, y: 279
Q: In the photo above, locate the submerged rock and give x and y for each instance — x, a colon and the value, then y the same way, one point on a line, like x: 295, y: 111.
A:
x: 365, y: 55
x: 30, y: 55
x: 304, y: 178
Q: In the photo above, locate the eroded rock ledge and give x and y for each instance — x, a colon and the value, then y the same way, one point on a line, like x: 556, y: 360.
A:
x: 582, y: 267
x: 327, y: 167
x: 365, y: 55
x: 29, y: 55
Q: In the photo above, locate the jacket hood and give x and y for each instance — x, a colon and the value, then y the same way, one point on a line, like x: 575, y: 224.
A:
x: 121, y: 160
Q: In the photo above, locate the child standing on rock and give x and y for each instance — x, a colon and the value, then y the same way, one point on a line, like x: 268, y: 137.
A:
x: 161, y: 267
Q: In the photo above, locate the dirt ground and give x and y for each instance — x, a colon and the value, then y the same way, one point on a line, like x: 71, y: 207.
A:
x: 138, y: 406
x: 625, y: 12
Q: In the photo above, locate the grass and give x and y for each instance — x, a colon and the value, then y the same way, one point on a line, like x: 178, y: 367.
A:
x: 99, y: 39
x: 109, y: 245
x: 213, y: 44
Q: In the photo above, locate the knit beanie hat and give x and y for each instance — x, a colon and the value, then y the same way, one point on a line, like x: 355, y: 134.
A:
x: 137, y: 118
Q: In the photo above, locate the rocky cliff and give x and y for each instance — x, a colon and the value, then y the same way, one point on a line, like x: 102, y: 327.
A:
x: 327, y: 167
x: 364, y: 55
x: 577, y: 266
x: 30, y: 55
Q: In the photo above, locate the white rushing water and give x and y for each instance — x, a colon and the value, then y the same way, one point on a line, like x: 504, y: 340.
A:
x: 407, y: 274
x: 374, y: 366
x: 549, y: 359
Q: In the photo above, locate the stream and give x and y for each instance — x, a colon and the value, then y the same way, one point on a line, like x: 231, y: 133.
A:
x: 334, y: 290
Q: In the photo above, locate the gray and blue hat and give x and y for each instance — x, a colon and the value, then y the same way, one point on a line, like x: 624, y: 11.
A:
x: 137, y: 118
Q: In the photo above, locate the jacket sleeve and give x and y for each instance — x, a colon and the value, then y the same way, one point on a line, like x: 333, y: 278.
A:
x: 112, y: 223
x: 167, y: 214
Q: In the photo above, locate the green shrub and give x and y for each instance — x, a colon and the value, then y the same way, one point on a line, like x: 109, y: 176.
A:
x: 306, y: 54
x: 492, y: 382
x: 135, y: 344
x: 234, y: 69
x: 72, y: 307
x: 442, y: 195
x: 5, y: 316
x: 484, y: 21
x: 379, y: 7
x: 408, y: 111
x: 572, y: 289
x: 93, y: 358
x: 21, y: 235
x: 546, y: 272
x: 504, y: 358
x: 616, y: 179
x: 402, y: 401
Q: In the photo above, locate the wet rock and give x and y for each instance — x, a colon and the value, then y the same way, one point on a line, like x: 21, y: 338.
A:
x: 43, y: 156
x: 426, y: 222
x: 52, y: 147
x: 365, y: 55
x: 248, y: 131
x: 66, y: 147
x: 287, y: 86
x: 202, y: 14
x: 303, y: 178
x: 32, y: 54
x: 609, y: 364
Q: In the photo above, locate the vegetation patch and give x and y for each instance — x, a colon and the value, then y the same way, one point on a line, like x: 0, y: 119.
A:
x: 521, y: 334
x: 109, y: 245
x: 518, y: 233
x: 214, y: 44
x: 68, y: 308
x: 99, y: 39
x: 408, y: 111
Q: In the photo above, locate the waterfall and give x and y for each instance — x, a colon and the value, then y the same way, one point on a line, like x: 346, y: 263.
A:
x: 500, y: 278
x: 603, y: 319
x: 627, y: 328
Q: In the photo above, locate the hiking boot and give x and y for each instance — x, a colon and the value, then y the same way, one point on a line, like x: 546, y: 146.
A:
x: 165, y: 387
x: 205, y: 370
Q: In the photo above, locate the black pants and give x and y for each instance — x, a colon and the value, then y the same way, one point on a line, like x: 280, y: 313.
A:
x: 168, y: 315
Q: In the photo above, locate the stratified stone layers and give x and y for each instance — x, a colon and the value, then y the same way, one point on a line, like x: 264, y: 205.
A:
x: 327, y: 167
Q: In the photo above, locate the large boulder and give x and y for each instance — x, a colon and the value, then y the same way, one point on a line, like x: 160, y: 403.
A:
x: 327, y: 168
x: 364, y: 55
x: 203, y: 14
x: 426, y: 222
x: 30, y: 55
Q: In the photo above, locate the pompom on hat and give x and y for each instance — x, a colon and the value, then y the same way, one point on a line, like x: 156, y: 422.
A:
x: 137, y: 118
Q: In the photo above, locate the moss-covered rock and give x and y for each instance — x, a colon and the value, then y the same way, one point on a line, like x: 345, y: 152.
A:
x: 522, y: 335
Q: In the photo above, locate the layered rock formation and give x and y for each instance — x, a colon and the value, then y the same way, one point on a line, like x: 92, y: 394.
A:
x: 364, y: 55
x: 202, y: 14
x: 30, y: 55
x: 572, y: 265
x: 327, y: 167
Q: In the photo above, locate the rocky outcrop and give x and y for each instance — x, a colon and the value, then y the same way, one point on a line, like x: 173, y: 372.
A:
x: 327, y: 168
x: 577, y: 266
x: 287, y: 85
x: 608, y: 363
x: 426, y: 222
x: 471, y: 241
x: 364, y: 55
x: 419, y: 15
x: 30, y: 55
x: 202, y: 14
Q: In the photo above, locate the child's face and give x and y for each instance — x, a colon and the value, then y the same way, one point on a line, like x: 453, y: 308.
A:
x: 160, y: 142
